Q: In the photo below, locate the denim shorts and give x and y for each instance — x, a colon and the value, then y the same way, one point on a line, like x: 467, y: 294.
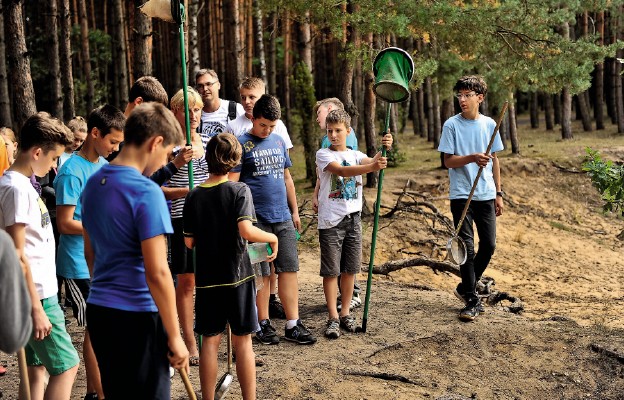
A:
x: 287, y: 259
x: 56, y: 352
x: 341, y: 247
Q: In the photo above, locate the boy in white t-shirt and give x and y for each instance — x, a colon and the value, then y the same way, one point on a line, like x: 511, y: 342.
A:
x: 26, y: 219
x: 340, y: 204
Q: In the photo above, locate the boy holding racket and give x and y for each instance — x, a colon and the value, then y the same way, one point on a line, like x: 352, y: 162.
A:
x: 339, y: 206
x: 464, y: 140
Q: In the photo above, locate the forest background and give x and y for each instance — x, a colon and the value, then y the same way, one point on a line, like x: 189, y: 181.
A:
x: 562, y: 58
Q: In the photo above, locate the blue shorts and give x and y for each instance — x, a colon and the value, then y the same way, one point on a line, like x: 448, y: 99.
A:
x: 56, y: 352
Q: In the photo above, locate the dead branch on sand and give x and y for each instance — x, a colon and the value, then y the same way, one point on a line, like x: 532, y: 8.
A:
x: 384, y: 375
x: 609, y: 353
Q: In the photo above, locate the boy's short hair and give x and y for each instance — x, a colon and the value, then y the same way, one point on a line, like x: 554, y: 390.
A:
x: 326, y: 102
x: 223, y: 153
x: 251, y: 82
x: 267, y: 107
x: 338, y: 117
x: 8, y: 132
x: 206, y: 71
x: 475, y: 83
x: 152, y: 119
x: 149, y: 89
x: 194, y: 98
x: 105, y: 118
x: 45, y: 131
x: 77, y: 124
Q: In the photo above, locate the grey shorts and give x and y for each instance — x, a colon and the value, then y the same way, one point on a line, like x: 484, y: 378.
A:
x: 287, y: 259
x: 341, y: 247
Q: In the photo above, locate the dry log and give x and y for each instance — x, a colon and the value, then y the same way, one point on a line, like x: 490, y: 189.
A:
x: 384, y: 375
x: 607, y: 352
x: 391, y: 266
x: 516, y: 306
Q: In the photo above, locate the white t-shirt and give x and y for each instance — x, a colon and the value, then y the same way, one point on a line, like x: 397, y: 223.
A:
x: 242, y: 125
x: 214, y: 123
x: 338, y: 196
x: 20, y: 204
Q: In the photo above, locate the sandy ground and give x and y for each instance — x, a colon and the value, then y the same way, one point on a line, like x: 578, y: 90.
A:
x: 556, y: 251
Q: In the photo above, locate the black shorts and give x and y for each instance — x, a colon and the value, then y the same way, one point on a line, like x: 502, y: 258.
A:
x: 216, y: 306
x: 131, y: 351
x: 78, y: 292
x: 181, y: 256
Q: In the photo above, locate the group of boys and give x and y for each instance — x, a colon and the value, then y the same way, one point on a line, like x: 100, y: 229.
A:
x: 114, y: 223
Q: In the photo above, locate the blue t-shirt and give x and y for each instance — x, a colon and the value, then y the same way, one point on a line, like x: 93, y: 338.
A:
x: 262, y: 169
x: 68, y: 185
x: 122, y: 209
x: 352, y: 142
x: 461, y: 137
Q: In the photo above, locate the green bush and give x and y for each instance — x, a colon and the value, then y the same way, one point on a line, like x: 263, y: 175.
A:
x: 608, y: 178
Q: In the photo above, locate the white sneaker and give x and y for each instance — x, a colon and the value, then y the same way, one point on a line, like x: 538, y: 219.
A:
x: 171, y: 372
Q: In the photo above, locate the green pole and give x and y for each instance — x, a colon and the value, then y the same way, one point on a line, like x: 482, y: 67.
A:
x: 371, y: 263
x: 185, y: 90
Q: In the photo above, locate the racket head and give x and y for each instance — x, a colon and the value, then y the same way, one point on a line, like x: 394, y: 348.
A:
x: 456, y: 250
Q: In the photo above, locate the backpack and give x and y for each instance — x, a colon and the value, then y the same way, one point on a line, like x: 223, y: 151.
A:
x: 232, y: 110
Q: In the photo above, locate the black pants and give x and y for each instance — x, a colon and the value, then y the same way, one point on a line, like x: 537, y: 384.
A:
x: 131, y: 351
x: 483, y: 214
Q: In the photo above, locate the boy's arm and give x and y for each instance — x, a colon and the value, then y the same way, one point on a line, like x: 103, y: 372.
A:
x: 254, y: 234
x: 317, y: 187
x: 497, y: 181
x: 174, y: 193
x: 65, y: 222
x: 291, y: 196
x: 160, y: 283
x: 367, y: 165
x: 454, y: 161
x: 41, y: 323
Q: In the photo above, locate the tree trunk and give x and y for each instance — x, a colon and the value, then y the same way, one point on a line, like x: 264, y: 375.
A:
x: 369, y: 123
x: 557, y: 108
x: 67, y: 78
x: 272, y: 77
x: 598, y: 85
x: 305, y: 41
x: 142, y: 42
x: 119, y: 45
x: 54, y: 69
x: 345, y: 84
x: 548, y: 111
x: 84, y: 53
x: 422, y: 120
x: 513, y: 127
x: 583, y: 108
x: 233, y: 49
x: 566, y: 114
x: 413, y: 111
x: 437, y: 123
x: 193, y: 41
x: 286, y: 25
x: 430, y: 117
x: 619, y: 100
x: 534, y: 109
x: 18, y: 63
x: 5, y: 104
x: 259, y: 34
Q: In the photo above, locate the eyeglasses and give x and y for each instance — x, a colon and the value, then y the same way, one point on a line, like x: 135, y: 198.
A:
x: 467, y: 95
x: 205, y: 85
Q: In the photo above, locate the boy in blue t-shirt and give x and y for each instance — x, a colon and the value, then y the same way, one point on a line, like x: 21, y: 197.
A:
x: 125, y: 223
x: 105, y: 127
x: 218, y: 222
x: 465, y: 138
x: 340, y: 205
x: 264, y: 168
x: 26, y: 219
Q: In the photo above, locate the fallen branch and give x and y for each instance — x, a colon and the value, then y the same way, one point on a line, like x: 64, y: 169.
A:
x: 383, y: 375
x: 516, y: 306
x: 561, y: 168
x: 609, y: 353
x: 391, y: 266
x: 396, y: 346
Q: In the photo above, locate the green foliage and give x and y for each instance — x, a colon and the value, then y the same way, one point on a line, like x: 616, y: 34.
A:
x: 305, y: 99
x: 608, y: 178
x: 395, y: 156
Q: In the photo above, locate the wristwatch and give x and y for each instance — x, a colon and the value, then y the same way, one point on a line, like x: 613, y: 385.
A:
x: 499, y: 193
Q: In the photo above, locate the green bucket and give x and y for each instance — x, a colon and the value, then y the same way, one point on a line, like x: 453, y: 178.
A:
x: 393, y: 69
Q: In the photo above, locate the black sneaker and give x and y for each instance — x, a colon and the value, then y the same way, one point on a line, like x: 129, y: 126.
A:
x: 460, y: 295
x: 267, y: 334
x: 469, y: 313
x: 91, y: 396
x: 299, y: 334
x: 348, y: 323
x: 276, y: 309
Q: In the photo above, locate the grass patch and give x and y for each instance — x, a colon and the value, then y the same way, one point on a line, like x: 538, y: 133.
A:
x: 560, y: 226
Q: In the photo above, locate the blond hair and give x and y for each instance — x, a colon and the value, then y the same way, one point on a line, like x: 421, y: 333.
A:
x: 339, y: 117
x: 177, y: 101
x: 77, y: 124
x: 251, y: 82
x: 334, y: 101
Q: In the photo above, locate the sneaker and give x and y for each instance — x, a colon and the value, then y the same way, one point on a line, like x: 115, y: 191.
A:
x: 469, y: 313
x: 355, y: 303
x: 300, y: 334
x: 348, y: 323
x: 267, y: 334
x: 171, y: 372
x: 333, y: 329
x: 276, y: 310
x: 94, y: 396
x: 459, y: 294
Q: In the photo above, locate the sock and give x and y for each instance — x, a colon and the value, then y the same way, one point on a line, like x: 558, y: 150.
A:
x: 291, y: 323
x: 273, y: 297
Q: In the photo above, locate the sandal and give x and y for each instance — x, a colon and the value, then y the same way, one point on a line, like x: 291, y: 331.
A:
x: 194, y: 361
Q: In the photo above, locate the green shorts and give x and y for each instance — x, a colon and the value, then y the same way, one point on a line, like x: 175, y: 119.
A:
x: 56, y: 352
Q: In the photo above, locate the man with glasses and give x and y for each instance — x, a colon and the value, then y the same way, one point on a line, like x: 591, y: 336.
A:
x: 216, y: 112
x: 464, y: 140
